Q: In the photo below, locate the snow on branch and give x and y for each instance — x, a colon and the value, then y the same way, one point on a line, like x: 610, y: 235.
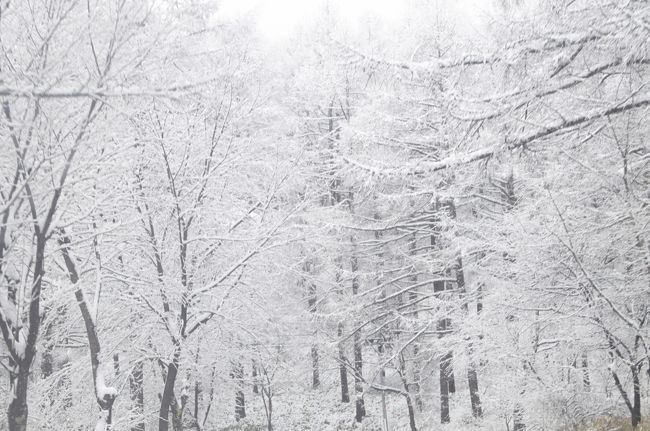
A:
x: 484, y: 153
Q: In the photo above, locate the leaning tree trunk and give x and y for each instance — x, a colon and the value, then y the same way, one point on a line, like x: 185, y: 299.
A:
x: 104, y: 394
x: 634, y: 405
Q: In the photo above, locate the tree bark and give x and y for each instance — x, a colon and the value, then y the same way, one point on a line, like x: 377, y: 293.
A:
x: 411, y: 411
x: 472, y: 375
x: 136, y: 378
x: 21, y: 361
x: 407, y: 394
x: 444, y: 389
x: 585, y: 372
x: 240, y: 401
x: 255, y: 377
x: 636, y: 406
x: 472, y: 378
x: 18, y: 410
x: 414, y: 387
x: 343, y: 372
x: 168, y: 392
x: 104, y: 397
x: 311, y: 303
x: 518, y: 418
x: 360, y: 408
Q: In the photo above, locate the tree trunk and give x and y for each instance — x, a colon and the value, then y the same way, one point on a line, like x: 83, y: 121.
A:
x: 414, y: 387
x: 168, y: 392
x: 315, y: 377
x: 472, y: 375
x: 104, y: 395
x: 19, y: 376
x: 444, y: 389
x: 358, y: 346
x: 254, y: 375
x: 411, y: 410
x: 240, y: 400
x: 636, y: 406
x: 360, y: 407
x: 382, y: 381
x: 17, y: 412
x: 197, y: 397
x: 518, y: 418
x: 585, y: 372
x: 407, y: 394
x: 136, y: 378
x: 447, y: 381
x: 312, y: 306
x: 343, y: 372
x: 472, y: 378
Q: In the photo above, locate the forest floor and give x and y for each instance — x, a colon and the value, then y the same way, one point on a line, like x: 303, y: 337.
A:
x: 316, y: 411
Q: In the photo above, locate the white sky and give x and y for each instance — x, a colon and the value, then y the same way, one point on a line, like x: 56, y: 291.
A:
x: 279, y: 19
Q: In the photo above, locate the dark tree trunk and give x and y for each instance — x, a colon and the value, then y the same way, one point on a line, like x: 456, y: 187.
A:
x: 411, y: 410
x: 116, y: 363
x: 254, y: 373
x: 137, y: 394
x: 414, y: 387
x: 105, y: 399
x: 343, y: 372
x: 416, y: 377
x: 312, y: 306
x: 240, y: 405
x: 358, y: 379
x: 240, y: 400
x: 17, y: 412
x: 197, y: 397
x: 518, y: 418
x: 636, y: 406
x: 315, y: 377
x: 168, y: 392
x: 407, y: 394
x: 360, y: 410
x: 585, y: 372
x: 472, y: 378
x: 19, y: 375
x: 445, y: 383
x: 472, y: 375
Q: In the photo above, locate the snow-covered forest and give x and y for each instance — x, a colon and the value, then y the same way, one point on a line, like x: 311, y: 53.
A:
x: 434, y: 217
